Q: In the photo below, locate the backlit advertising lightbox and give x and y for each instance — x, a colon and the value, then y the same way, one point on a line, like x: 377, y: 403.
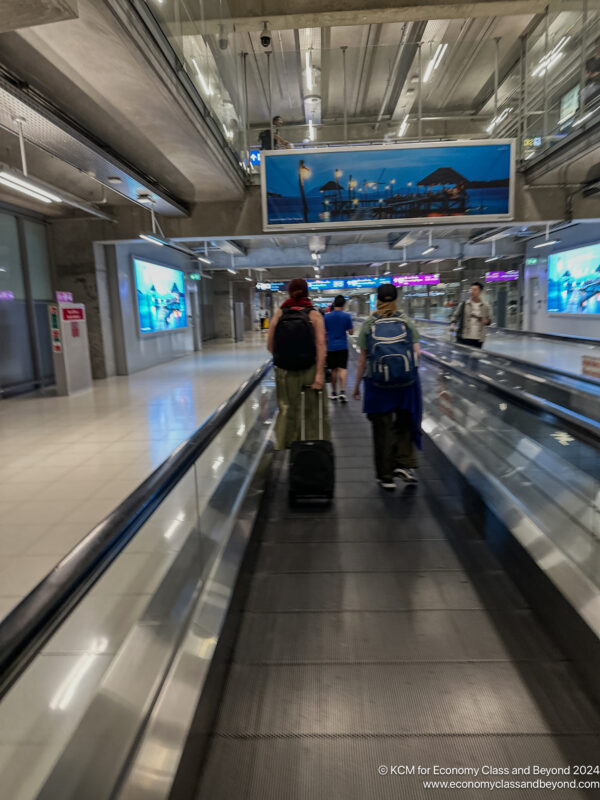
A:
x: 387, y: 184
x: 574, y: 281
x: 160, y: 295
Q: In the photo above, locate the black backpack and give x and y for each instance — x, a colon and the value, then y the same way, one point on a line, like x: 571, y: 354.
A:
x: 264, y: 137
x: 294, y: 340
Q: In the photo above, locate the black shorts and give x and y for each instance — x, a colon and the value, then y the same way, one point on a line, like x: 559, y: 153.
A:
x: 337, y: 359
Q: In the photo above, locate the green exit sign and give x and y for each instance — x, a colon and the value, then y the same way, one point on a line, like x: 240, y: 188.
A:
x: 531, y: 262
x: 195, y: 276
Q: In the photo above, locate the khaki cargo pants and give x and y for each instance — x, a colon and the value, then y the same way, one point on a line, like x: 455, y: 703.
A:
x: 289, y: 386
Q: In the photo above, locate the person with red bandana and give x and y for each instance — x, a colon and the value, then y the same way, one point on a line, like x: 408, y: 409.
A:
x: 297, y: 341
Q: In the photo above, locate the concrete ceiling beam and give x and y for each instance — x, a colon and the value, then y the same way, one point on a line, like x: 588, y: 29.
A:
x: 18, y: 14
x: 283, y: 15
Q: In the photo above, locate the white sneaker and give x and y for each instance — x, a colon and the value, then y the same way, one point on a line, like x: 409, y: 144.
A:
x: 333, y: 396
x: 407, y: 474
x: 389, y: 485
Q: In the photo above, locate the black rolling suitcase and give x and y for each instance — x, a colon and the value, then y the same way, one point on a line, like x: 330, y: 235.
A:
x: 312, y: 465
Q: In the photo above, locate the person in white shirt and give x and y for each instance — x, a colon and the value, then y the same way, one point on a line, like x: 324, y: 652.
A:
x: 471, y: 318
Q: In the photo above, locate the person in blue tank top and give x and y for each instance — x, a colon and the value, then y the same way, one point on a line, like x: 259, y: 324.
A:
x: 338, y: 324
x: 395, y: 411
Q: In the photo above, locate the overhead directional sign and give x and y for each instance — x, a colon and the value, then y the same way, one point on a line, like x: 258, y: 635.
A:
x: 368, y: 282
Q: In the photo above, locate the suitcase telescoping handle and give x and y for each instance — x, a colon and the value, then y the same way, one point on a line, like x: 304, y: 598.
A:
x: 303, y: 415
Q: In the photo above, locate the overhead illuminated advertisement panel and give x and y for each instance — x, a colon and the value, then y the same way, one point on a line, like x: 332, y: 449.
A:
x: 574, y: 281
x: 387, y: 184
x: 160, y: 297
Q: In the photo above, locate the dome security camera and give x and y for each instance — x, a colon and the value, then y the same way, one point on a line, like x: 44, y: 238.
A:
x: 265, y: 36
x: 222, y: 38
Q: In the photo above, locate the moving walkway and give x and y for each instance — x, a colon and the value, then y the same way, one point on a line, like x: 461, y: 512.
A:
x: 208, y: 641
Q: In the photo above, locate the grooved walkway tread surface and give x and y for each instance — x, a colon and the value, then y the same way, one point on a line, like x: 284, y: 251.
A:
x: 377, y: 633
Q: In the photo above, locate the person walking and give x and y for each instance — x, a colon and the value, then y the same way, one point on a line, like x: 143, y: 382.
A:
x: 471, y: 318
x: 297, y: 341
x: 338, y: 324
x: 389, y: 350
x: 270, y: 139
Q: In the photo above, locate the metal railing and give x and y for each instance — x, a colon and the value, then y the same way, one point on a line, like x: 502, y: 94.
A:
x: 26, y: 629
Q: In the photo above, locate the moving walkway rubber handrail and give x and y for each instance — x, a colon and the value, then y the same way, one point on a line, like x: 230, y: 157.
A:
x: 522, y: 362
x: 552, y: 336
x: 30, y: 624
x: 577, y: 424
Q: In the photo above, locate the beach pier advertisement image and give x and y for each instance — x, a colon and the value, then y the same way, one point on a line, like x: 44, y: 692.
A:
x: 387, y: 185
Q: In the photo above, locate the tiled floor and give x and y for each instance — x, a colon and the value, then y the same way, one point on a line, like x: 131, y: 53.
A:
x: 67, y: 462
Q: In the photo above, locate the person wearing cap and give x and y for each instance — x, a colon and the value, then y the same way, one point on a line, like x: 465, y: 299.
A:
x: 394, y: 412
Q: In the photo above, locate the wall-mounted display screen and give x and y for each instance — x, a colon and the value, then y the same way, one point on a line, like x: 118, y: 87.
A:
x: 160, y: 297
x: 574, y: 281
x: 377, y: 185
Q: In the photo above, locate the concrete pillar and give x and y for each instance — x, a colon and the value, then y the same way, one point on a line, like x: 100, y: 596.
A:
x: 223, y: 305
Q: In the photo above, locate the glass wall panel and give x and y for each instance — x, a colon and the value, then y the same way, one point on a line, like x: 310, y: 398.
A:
x: 40, y: 281
x: 16, y: 364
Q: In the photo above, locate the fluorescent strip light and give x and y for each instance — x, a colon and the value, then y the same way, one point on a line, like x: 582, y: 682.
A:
x: 435, y: 61
x: 403, y: 126
x: 204, y: 260
x: 403, y: 264
x: 550, y: 58
x: 205, y: 87
x: 152, y: 239
x: 309, y: 81
x: 233, y: 272
x: 493, y: 258
x: 586, y: 116
x: 10, y: 178
x: 547, y: 243
x: 21, y: 189
x: 249, y: 279
x: 30, y: 190
x: 429, y: 250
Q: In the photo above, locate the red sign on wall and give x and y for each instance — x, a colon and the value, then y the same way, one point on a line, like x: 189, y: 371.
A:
x: 73, y: 314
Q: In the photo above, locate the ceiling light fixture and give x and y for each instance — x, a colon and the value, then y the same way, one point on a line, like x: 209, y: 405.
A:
x: 435, y: 61
x: 152, y: 239
x: 309, y: 77
x: 431, y: 249
x: 25, y: 186
x: 550, y: 58
x: 205, y: 87
x: 500, y: 118
x: 493, y: 257
x: 586, y: 116
x: 233, y: 272
x: 547, y: 241
x: 311, y: 130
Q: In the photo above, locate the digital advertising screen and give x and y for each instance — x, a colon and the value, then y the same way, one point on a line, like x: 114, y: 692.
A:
x: 381, y: 185
x: 574, y: 281
x: 160, y: 295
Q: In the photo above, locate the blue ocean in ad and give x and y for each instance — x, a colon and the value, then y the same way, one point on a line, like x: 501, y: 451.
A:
x: 160, y: 297
x: 341, y: 186
x: 574, y: 281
